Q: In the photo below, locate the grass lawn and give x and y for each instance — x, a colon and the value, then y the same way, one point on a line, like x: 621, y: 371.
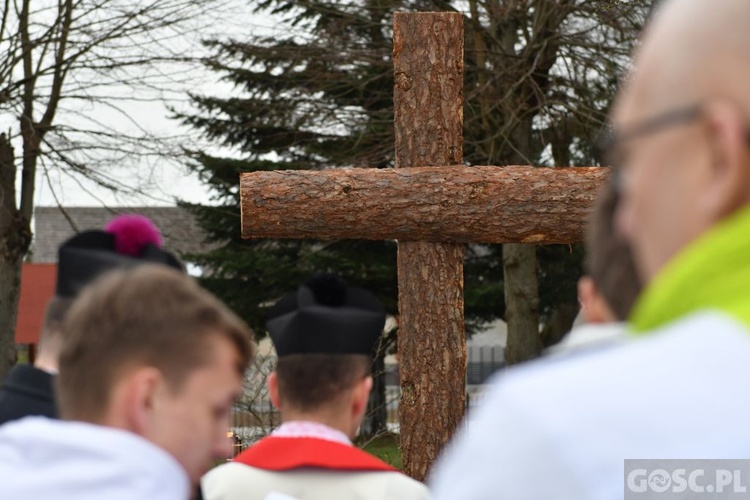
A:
x: 385, y: 447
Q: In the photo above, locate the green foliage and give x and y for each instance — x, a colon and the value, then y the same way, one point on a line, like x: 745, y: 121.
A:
x: 386, y: 447
x: 484, y: 296
x: 560, y: 267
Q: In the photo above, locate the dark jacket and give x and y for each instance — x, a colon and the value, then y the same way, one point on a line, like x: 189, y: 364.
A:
x: 27, y: 391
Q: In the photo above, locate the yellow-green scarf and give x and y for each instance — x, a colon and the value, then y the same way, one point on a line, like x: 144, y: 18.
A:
x: 713, y: 272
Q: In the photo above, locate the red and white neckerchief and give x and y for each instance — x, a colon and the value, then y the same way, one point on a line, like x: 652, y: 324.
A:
x: 301, y: 444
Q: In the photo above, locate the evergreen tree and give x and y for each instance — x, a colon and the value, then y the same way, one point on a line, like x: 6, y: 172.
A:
x: 317, y: 97
x: 320, y: 96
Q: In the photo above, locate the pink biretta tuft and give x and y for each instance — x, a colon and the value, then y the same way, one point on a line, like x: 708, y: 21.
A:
x: 133, y: 232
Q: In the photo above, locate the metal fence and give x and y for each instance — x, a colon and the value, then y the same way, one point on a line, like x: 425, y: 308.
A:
x: 255, y: 416
x: 474, y: 396
x: 483, y: 362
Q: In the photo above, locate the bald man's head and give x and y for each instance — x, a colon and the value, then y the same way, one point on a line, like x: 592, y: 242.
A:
x: 681, y: 128
x: 691, y: 50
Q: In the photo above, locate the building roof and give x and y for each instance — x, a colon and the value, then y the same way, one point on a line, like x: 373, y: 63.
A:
x: 54, y: 225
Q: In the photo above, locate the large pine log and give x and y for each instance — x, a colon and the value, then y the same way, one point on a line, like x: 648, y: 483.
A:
x: 428, y: 65
x: 437, y: 204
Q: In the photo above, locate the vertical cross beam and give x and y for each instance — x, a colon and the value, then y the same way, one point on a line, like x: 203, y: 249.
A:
x: 428, y: 105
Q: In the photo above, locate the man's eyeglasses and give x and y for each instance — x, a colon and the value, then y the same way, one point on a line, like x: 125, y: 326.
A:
x: 610, y: 146
x: 612, y: 140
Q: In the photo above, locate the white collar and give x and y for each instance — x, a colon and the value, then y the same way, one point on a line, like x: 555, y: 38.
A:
x: 306, y: 428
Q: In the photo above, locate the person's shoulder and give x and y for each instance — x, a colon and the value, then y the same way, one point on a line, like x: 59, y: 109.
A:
x: 588, y: 337
x: 27, y: 391
x: 230, y: 479
x: 679, y: 338
x: 105, y: 462
x: 401, y: 486
x: 554, y: 390
x: 227, y: 470
x: 32, y: 426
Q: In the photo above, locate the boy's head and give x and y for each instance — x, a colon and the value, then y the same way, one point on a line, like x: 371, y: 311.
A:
x: 149, y: 351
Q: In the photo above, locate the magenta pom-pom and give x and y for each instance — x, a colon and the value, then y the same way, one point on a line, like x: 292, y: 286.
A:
x: 133, y: 232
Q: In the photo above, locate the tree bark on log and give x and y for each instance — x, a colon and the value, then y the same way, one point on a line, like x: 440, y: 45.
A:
x: 428, y: 115
x: 456, y: 204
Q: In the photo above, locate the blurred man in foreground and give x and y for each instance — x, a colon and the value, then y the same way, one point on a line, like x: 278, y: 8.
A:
x: 149, y: 372
x: 680, y: 149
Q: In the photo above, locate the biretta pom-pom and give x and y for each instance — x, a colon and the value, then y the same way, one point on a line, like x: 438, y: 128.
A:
x: 133, y: 232
x: 328, y: 289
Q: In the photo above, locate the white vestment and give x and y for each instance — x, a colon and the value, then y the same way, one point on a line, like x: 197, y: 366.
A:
x: 560, y: 428
x: 588, y: 336
x: 44, y: 459
x: 309, y: 443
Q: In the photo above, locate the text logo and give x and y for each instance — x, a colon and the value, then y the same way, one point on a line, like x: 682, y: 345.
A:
x: 681, y: 479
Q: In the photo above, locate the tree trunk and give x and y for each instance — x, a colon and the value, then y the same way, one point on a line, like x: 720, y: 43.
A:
x: 521, y: 302
x: 428, y: 116
x: 14, y: 242
x: 440, y: 204
x: 520, y: 271
x: 10, y: 284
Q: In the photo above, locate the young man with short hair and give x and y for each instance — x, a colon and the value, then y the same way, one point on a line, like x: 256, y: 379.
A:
x: 324, y: 334
x: 149, y: 372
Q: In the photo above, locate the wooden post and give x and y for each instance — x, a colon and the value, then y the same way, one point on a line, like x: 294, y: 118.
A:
x: 428, y: 59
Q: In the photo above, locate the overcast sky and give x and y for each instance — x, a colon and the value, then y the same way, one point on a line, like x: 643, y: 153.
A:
x: 164, y: 180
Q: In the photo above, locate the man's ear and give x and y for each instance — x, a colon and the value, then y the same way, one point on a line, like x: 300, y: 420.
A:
x: 593, y: 305
x: 138, y: 396
x: 728, y: 185
x: 273, y: 389
x: 361, y: 396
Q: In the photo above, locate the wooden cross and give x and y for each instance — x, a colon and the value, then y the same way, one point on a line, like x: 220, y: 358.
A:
x: 432, y: 205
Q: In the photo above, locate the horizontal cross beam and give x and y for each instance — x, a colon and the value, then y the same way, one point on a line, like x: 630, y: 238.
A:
x: 458, y: 204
